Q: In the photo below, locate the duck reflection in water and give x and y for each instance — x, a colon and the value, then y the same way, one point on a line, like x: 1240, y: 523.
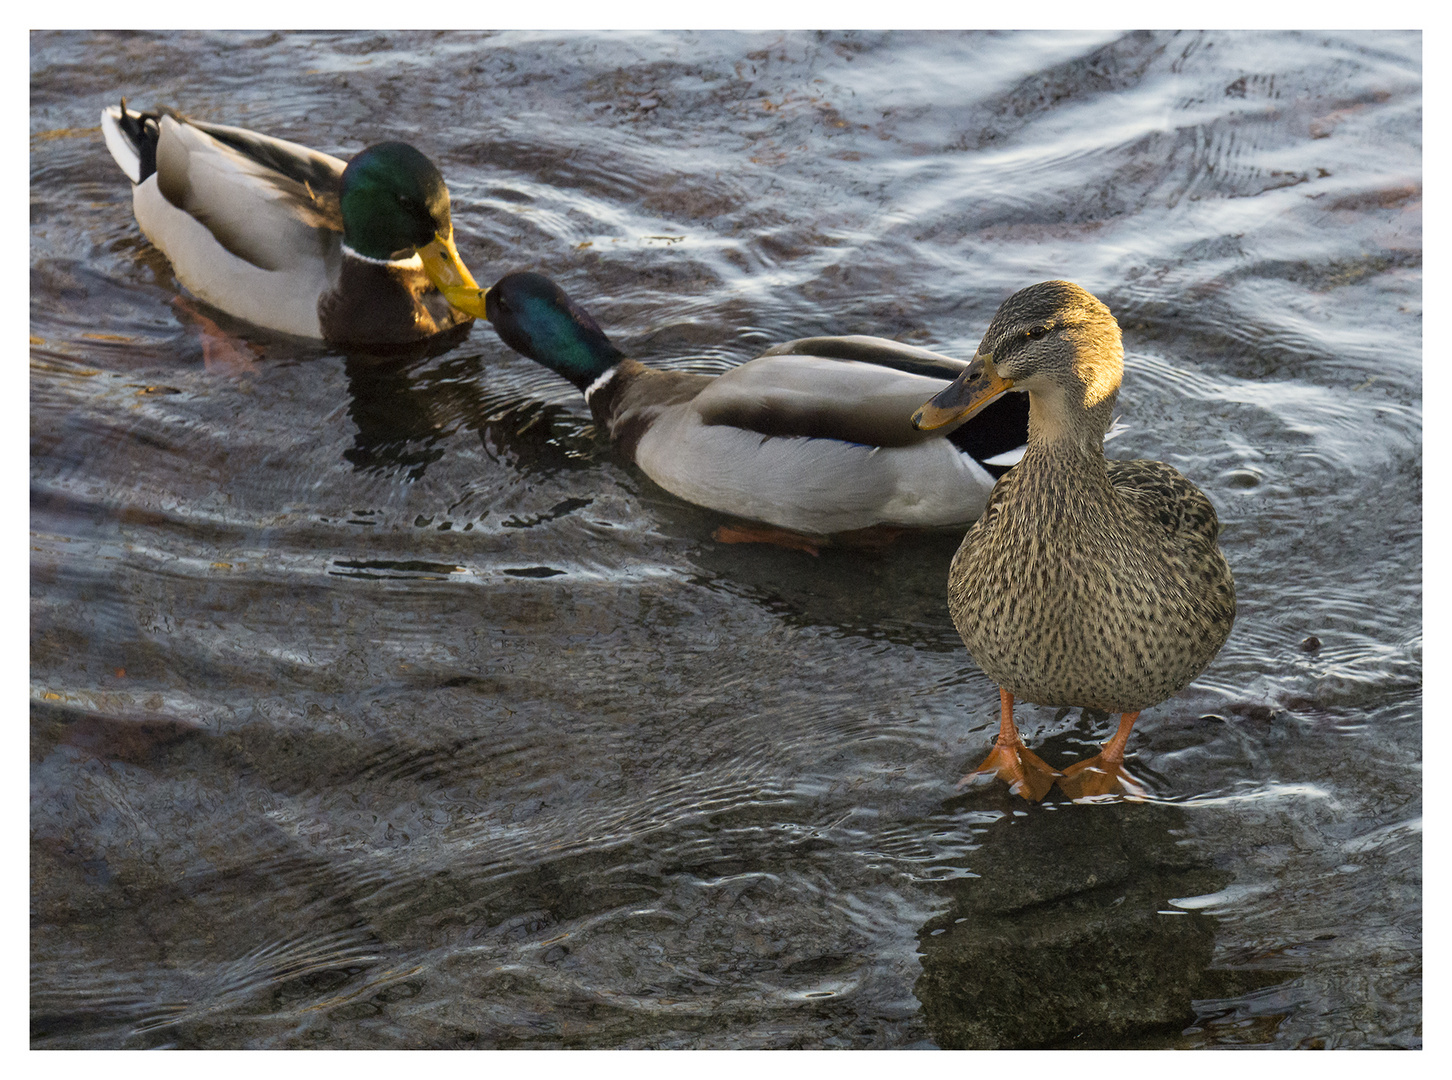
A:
x: 405, y: 406
x: 1069, y: 935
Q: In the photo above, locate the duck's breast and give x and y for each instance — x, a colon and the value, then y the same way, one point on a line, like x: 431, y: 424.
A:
x: 1067, y: 599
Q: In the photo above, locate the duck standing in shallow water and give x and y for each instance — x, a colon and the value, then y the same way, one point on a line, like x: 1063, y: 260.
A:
x: 359, y: 252
x: 811, y: 437
x: 1086, y: 582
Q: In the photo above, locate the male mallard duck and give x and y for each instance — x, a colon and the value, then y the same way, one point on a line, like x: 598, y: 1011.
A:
x: 290, y: 238
x: 1086, y: 582
x: 812, y: 436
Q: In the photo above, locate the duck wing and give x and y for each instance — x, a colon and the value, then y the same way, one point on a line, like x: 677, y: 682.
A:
x: 874, y: 350
x: 805, y: 394
x: 1194, y: 573
x: 321, y: 172
x: 269, y: 202
x: 853, y: 388
x: 1163, y: 495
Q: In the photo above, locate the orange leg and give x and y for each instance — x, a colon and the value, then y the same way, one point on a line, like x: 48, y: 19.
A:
x: 222, y: 353
x: 872, y: 538
x: 769, y: 534
x: 1025, y: 772
x: 1104, y: 773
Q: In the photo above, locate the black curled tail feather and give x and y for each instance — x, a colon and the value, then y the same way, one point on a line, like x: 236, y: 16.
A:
x: 142, y: 130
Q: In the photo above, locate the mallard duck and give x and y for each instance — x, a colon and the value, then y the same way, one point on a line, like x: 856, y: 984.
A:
x: 1086, y: 582
x: 292, y: 239
x: 812, y: 436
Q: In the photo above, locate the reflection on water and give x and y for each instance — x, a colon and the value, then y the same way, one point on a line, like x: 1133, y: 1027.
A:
x: 403, y: 410
x: 1079, y: 929
x: 377, y: 702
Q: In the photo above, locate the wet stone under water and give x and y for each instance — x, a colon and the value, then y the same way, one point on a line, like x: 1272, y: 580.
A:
x: 376, y: 703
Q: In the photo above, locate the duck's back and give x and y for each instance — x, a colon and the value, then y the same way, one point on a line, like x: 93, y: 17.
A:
x: 250, y: 223
x: 239, y: 235
x: 1098, y: 585
x: 814, y: 443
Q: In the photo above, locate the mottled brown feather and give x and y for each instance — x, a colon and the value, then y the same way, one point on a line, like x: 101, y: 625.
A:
x: 1089, y: 582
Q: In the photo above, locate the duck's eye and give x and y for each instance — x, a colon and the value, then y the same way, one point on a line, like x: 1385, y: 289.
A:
x: 1038, y: 331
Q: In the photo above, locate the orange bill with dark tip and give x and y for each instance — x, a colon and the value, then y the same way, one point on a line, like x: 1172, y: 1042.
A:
x: 978, y: 387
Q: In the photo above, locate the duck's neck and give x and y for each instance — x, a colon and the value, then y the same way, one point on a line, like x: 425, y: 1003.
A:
x: 606, y: 395
x: 1062, y: 430
x: 586, y: 363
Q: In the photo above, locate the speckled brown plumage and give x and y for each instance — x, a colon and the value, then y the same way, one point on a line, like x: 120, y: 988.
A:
x: 1092, y: 583
x: 1086, y: 582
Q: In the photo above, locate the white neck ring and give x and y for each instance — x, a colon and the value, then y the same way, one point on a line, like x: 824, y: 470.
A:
x: 413, y: 262
x: 601, y: 381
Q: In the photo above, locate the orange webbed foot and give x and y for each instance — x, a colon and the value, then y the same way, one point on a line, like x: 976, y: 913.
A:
x: 1025, y: 773
x: 222, y: 353
x: 769, y: 534
x: 1097, y: 776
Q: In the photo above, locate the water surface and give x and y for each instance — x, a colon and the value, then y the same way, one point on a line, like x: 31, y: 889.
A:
x: 376, y: 703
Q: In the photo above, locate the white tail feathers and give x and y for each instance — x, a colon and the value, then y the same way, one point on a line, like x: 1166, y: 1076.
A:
x: 119, y: 143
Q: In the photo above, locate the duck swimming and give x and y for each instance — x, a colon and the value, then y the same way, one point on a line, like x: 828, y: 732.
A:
x: 359, y: 252
x: 1086, y: 582
x: 813, y: 436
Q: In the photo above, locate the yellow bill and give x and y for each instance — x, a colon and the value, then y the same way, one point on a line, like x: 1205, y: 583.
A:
x: 451, y: 277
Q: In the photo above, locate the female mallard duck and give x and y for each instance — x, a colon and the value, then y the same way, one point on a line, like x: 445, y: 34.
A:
x: 291, y: 239
x: 813, y: 436
x: 1086, y: 582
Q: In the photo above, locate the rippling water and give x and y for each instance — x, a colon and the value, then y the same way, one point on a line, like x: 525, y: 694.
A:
x: 376, y: 703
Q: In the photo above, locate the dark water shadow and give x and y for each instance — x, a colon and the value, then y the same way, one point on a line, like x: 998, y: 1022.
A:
x: 896, y: 593
x: 407, y: 403
x: 1068, y: 935
x: 890, y: 588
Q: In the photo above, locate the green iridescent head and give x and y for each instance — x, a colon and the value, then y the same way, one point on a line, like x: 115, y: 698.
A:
x: 535, y: 317
x: 394, y: 202
x: 395, y: 206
